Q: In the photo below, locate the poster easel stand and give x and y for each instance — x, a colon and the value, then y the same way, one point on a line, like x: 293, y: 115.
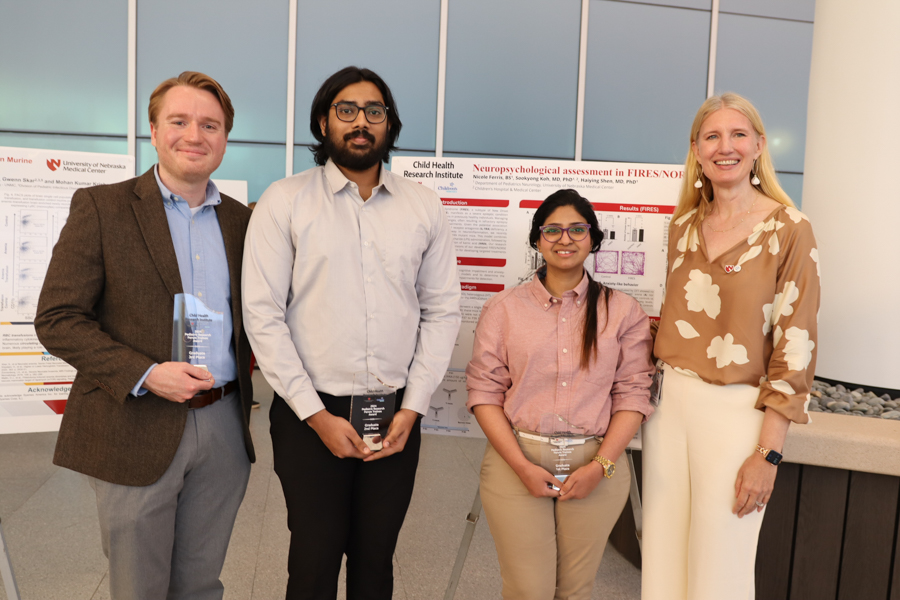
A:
x: 471, y: 521
x: 636, y: 508
x: 6, y: 572
x: 475, y: 513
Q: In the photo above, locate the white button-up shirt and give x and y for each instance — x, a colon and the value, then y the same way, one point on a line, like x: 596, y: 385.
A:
x: 334, y: 286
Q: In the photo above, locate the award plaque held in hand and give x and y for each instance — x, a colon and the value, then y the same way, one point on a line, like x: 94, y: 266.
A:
x: 197, y: 331
x: 564, y: 453
x: 372, y: 408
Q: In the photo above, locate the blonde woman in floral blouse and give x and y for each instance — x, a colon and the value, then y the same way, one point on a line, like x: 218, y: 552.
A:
x: 737, y: 346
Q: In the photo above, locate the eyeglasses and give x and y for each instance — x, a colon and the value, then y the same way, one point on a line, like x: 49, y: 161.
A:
x: 553, y: 233
x: 347, y: 111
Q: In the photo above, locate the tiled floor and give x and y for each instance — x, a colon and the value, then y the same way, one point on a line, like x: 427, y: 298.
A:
x: 50, y: 522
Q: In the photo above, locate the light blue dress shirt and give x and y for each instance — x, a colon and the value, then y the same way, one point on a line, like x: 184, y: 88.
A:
x: 203, y: 265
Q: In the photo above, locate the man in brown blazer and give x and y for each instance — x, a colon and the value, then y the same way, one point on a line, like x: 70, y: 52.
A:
x: 166, y: 444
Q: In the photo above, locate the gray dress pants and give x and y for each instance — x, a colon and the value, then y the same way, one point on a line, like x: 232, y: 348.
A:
x: 168, y: 540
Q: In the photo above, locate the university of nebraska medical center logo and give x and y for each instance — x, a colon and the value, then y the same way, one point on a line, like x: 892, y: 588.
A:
x: 53, y: 163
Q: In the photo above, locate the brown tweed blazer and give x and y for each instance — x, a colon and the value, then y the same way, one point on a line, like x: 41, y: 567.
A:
x: 106, y: 309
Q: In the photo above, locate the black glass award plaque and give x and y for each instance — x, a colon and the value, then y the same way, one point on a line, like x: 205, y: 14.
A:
x: 372, y: 407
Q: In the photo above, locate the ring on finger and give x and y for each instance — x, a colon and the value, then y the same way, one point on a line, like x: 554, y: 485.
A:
x: 760, y: 504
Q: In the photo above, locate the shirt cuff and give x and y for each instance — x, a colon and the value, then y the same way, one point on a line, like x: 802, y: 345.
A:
x: 413, y: 399
x: 138, y: 389
x: 636, y: 403
x: 791, y: 407
x: 478, y: 397
x: 306, y: 405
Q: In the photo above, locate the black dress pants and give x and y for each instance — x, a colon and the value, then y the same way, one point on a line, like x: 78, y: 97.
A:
x: 340, y: 506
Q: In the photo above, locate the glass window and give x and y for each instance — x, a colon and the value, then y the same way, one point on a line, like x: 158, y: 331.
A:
x: 398, y: 39
x: 64, y: 66
x: 78, y: 143
x: 473, y: 155
x: 701, y: 4
x: 243, y: 45
x: 646, y: 78
x: 411, y: 153
x: 257, y: 164
x: 774, y: 75
x: 792, y: 183
x: 303, y: 159
x: 802, y: 10
x: 512, y: 77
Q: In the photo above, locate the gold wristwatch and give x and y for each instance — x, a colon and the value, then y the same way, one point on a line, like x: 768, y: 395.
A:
x: 609, y: 467
x: 773, y: 456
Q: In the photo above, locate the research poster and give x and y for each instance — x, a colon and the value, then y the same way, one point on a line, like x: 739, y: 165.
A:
x: 490, y: 204
x: 36, y: 188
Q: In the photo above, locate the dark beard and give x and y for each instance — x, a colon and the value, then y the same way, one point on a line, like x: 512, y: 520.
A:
x: 353, y: 160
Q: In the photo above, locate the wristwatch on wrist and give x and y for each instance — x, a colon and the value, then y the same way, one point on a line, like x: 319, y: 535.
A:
x: 772, y: 456
x: 609, y: 467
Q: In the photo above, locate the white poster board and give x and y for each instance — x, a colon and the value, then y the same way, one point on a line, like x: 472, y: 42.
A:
x: 236, y: 188
x: 36, y: 188
x: 490, y: 204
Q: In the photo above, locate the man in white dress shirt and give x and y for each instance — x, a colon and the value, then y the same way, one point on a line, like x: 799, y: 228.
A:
x: 348, y: 270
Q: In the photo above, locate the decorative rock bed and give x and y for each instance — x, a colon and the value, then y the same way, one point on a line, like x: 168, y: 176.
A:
x: 839, y: 400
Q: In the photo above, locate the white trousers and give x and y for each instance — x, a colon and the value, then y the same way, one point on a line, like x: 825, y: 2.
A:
x: 694, y: 548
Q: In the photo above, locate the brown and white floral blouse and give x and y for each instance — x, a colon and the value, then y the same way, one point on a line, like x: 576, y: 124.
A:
x: 750, y: 316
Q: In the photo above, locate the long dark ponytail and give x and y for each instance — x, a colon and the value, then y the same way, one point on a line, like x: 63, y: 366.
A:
x: 595, y: 290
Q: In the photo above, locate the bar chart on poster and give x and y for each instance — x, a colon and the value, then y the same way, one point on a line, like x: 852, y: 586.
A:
x: 490, y: 204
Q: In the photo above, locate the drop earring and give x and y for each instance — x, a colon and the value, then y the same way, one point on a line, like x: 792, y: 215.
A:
x: 755, y: 179
x: 699, y: 183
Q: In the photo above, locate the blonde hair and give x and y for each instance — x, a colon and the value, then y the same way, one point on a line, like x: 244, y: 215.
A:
x: 690, y: 197
x: 196, y: 80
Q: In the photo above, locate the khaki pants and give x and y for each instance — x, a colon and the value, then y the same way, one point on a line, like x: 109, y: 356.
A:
x: 548, y: 549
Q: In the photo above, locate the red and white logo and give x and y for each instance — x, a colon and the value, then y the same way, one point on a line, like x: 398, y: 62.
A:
x: 53, y: 163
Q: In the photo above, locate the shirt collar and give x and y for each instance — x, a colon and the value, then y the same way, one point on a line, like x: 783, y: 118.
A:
x: 337, y: 180
x: 544, y: 297
x: 212, y: 192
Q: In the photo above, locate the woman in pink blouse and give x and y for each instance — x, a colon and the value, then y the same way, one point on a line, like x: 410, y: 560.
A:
x: 560, y: 349
x: 736, y: 342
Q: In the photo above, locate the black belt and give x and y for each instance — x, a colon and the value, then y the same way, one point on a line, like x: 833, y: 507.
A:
x: 201, y: 400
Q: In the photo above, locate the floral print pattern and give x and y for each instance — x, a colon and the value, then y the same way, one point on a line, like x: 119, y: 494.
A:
x: 799, y: 348
x: 702, y: 294
x: 725, y: 351
x: 686, y: 330
x: 756, y: 324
